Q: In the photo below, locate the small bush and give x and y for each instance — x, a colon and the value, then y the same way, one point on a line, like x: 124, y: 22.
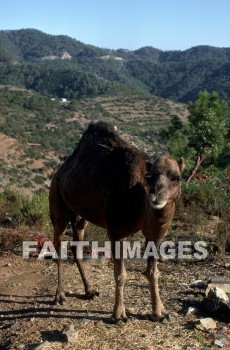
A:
x: 39, y: 179
x: 204, y: 209
x: 31, y: 211
x: 209, y: 198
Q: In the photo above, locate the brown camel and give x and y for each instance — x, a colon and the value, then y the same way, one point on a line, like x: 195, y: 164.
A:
x: 113, y: 185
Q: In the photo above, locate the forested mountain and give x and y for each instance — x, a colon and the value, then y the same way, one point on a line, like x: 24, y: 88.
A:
x: 60, y: 66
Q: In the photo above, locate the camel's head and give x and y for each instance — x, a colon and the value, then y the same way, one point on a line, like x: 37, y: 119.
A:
x: 164, y: 181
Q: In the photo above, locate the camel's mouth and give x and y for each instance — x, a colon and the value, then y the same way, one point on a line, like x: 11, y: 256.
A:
x: 155, y: 203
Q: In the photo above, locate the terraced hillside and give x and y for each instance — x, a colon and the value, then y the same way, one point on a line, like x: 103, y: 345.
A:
x: 37, y: 132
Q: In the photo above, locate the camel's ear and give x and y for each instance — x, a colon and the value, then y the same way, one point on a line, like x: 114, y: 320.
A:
x: 181, y: 164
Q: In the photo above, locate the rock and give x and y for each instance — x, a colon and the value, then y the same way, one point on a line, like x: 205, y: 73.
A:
x: 8, y: 221
x: 15, y: 325
x: 218, y: 343
x: 99, y: 324
x: 220, y: 340
x: 165, y: 320
x: 8, y: 265
x: 191, y: 310
x: 217, y: 293
x: 131, y: 310
x: 206, y: 323
x: 43, y: 345
x: 220, y: 279
x: 198, y: 284
x: 71, y: 335
x: 217, y: 308
x: 224, y: 329
x: 222, y: 282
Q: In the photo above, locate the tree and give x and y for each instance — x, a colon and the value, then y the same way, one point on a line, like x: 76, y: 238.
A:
x: 178, y: 145
x: 206, y: 128
x: 175, y: 138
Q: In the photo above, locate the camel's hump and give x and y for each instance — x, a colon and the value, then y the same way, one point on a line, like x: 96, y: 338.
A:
x: 102, y: 133
x: 101, y: 129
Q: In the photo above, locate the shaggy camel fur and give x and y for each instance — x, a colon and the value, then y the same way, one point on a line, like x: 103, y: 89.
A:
x: 113, y: 185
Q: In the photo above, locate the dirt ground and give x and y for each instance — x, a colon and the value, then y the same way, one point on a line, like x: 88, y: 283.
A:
x: 28, y: 317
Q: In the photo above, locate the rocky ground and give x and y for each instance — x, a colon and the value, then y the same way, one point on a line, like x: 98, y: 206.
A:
x: 29, y: 320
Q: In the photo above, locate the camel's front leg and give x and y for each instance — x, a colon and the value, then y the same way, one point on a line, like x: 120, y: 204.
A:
x: 120, y: 277
x: 78, y: 226
x: 152, y: 274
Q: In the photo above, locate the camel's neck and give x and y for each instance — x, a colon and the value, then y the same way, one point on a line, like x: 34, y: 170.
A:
x: 166, y: 213
x: 158, y: 222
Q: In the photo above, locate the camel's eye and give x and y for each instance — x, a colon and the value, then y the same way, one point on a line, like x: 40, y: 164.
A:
x: 176, y: 179
x: 152, y: 177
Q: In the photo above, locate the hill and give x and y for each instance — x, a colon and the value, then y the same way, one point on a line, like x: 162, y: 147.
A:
x: 37, y: 132
x: 64, y: 67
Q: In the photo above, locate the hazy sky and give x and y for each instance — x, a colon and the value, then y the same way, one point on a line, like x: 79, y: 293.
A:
x: 130, y: 24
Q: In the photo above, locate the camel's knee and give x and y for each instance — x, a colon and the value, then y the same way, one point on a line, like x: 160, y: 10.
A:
x: 120, y: 278
x: 80, y: 223
x: 78, y: 227
x: 59, y: 237
x: 155, y: 275
x: 152, y: 274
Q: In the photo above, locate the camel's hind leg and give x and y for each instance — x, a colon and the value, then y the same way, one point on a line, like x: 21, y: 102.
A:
x: 78, y: 226
x: 60, y: 294
x: 59, y: 215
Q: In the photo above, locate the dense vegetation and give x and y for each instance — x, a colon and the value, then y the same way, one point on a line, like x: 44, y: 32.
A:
x: 204, y: 139
x: 26, y: 117
x: 34, y: 60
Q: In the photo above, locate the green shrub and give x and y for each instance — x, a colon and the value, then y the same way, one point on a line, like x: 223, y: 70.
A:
x: 209, y: 198
x: 39, y: 179
x: 204, y: 209
x: 30, y: 211
x: 12, y: 203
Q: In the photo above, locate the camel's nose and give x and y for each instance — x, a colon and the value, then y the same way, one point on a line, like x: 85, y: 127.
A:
x: 158, y: 185
x: 153, y: 197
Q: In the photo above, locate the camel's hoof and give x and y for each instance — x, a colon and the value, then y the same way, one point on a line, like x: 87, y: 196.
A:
x: 120, y: 321
x: 119, y: 317
x: 163, y: 317
x: 60, y: 299
x: 91, y: 294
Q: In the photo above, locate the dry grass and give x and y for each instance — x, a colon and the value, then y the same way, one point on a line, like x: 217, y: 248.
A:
x: 28, y: 316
